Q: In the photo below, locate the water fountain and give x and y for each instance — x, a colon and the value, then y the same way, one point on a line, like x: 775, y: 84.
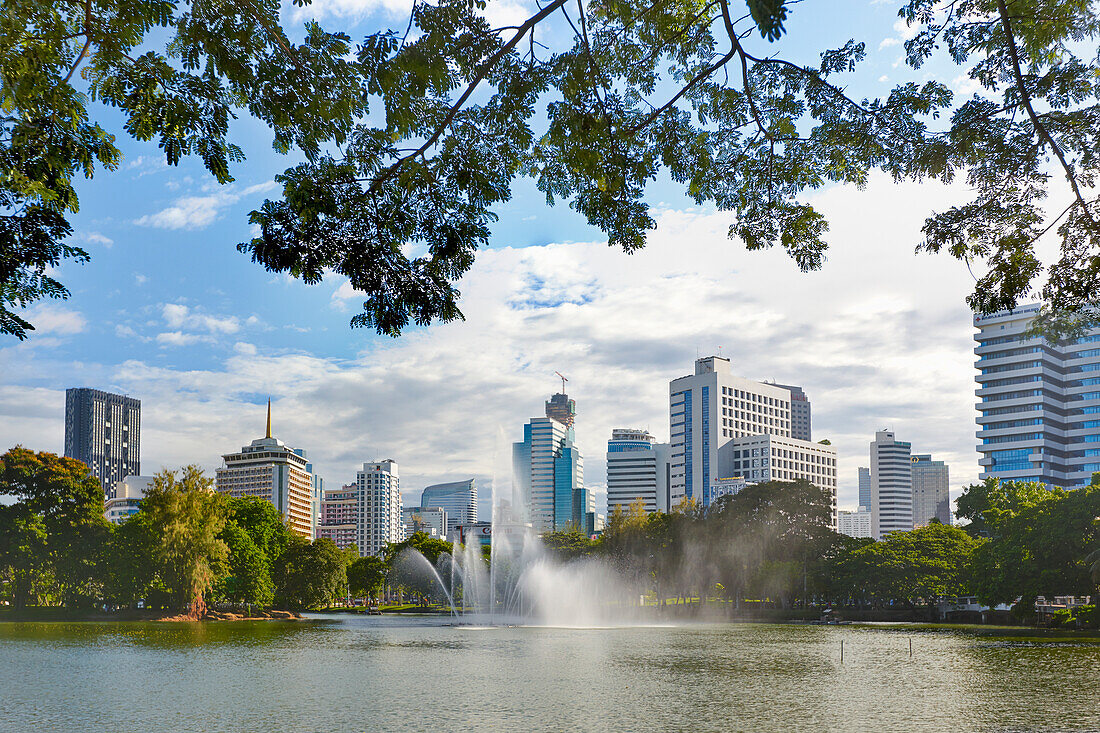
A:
x: 522, y: 583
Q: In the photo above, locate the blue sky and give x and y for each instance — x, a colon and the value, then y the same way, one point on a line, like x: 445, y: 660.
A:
x: 170, y: 312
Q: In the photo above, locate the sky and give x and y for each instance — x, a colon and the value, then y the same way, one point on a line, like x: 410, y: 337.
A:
x: 169, y: 312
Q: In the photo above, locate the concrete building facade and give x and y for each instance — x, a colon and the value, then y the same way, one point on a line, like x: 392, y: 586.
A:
x: 931, y: 496
x: 1038, y: 402
x: 125, y: 499
x: 637, y: 470
x: 431, y: 520
x: 707, y: 410
x: 379, y: 507
x: 339, y: 516
x: 759, y: 458
x: 854, y: 524
x: 103, y: 430
x: 891, y: 485
x: 800, y: 412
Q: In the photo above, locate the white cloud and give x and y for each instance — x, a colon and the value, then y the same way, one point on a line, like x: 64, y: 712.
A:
x: 498, y: 12
x: 884, y: 78
x: 177, y: 315
x: 52, y: 319
x: 140, y: 279
x: 123, y: 331
x: 97, y: 238
x: 964, y: 86
x: 177, y: 338
x: 199, y: 212
x: 888, y: 42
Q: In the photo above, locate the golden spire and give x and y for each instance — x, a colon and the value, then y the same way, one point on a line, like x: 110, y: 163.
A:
x: 268, y: 418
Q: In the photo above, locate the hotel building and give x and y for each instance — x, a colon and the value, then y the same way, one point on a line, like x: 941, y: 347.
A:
x: 267, y: 469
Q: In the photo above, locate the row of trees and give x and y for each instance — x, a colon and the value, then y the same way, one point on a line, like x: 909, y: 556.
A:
x: 187, y: 546
x: 772, y: 542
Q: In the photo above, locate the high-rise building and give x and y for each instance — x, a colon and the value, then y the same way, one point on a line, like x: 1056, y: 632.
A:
x: 340, y: 516
x: 547, y: 468
x: 269, y: 470
x: 457, y: 498
x: 637, y: 470
x: 104, y: 431
x: 800, y: 412
x: 864, y: 486
x: 561, y: 408
x: 931, y: 496
x: 891, y: 485
x: 854, y: 524
x: 706, y: 411
x: 724, y: 427
x: 1039, y: 402
x: 379, y: 507
x: 759, y: 458
x: 431, y: 520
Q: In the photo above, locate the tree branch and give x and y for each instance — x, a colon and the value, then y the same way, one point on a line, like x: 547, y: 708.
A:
x: 531, y: 22
x: 1040, y: 128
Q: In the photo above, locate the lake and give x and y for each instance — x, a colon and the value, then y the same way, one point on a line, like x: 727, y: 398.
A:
x: 390, y: 673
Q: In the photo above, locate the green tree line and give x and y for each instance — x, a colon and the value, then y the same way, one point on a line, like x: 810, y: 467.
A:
x: 186, y: 547
x: 772, y: 543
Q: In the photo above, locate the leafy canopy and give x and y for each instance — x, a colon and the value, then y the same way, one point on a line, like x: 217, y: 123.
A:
x: 412, y: 136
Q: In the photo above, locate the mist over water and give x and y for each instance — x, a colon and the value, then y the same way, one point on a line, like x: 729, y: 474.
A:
x: 522, y: 583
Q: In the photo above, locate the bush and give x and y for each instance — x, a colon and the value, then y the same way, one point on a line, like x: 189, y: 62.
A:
x: 1061, y: 618
x: 1088, y: 617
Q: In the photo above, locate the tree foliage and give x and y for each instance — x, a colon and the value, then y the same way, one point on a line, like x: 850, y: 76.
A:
x: 187, y: 517
x: 311, y: 574
x: 53, y: 531
x: 414, y: 135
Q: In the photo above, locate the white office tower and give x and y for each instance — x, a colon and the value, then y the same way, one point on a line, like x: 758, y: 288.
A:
x: 270, y: 470
x: 854, y: 524
x: 1039, y: 403
x: 931, y: 497
x: 637, y: 470
x: 379, y: 507
x: 707, y: 410
x: 724, y: 427
x: 864, y: 486
x: 891, y: 485
x: 759, y: 458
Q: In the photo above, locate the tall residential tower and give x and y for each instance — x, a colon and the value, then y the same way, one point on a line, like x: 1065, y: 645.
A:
x: 891, y: 485
x: 104, y: 431
x: 637, y: 470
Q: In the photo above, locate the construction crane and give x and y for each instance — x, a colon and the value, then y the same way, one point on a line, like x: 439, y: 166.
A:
x: 563, y: 381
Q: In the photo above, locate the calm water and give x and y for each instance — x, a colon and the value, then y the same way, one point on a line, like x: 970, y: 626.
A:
x: 370, y: 674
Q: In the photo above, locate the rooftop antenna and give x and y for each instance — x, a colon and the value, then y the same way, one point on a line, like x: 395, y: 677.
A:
x: 268, y: 418
x: 563, y: 381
